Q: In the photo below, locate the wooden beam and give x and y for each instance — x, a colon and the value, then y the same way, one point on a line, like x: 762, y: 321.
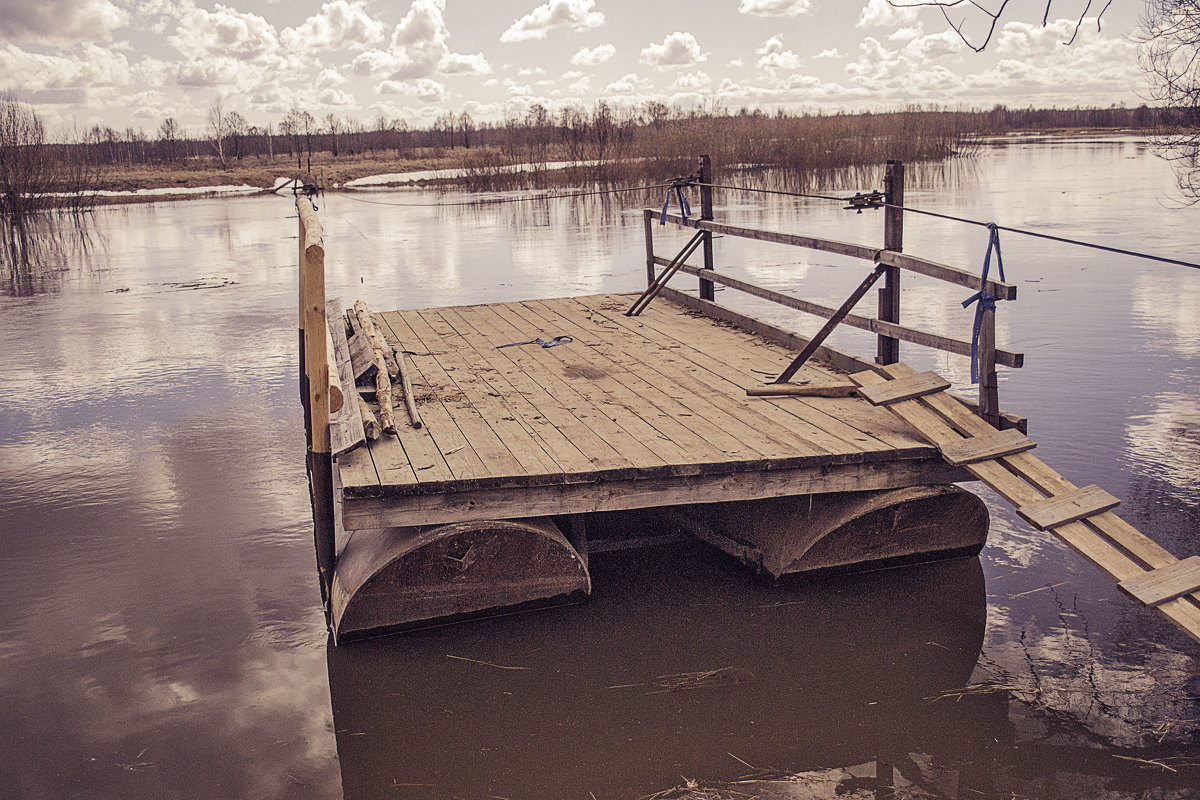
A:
x: 802, y: 390
x: 904, y: 388
x: 1061, y: 509
x: 650, y: 492
x: 931, y: 269
x: 346, y: 426
x: 831, y: 356
x: 946, y: 344
x: 1164, y: 584
x: 987, y: 447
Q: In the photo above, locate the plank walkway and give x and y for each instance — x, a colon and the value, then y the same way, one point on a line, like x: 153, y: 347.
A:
x: 1079, y: 516
x: 633, y: 412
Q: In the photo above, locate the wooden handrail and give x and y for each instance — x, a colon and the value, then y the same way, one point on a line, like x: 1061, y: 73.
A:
x: 912, y: 335
x: 960, y: 277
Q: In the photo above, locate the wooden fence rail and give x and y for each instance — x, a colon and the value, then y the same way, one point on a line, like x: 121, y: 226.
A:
x: 886, y: 325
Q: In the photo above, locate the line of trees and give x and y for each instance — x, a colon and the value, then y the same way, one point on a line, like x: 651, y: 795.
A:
x: 573, y: 133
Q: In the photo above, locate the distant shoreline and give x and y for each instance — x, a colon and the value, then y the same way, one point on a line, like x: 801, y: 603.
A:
x: 203, y: 177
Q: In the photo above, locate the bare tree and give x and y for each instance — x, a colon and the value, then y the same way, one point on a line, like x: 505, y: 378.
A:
x: 1170, y: 52
x: 168, y: 134
x: 961, y: 15
x: 218, y: 128
x: 236, y: 129
x: 334, y: 126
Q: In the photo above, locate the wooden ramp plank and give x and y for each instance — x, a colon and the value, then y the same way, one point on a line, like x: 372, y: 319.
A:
x: 987, y: 447
x: 345, y: 426
x: 1105, y: 540
x: 907, y: 388
x: 1165, y: 583
x: 1060, y: 509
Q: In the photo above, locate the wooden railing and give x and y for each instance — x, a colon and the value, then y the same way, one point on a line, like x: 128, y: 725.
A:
x: 886, y: 325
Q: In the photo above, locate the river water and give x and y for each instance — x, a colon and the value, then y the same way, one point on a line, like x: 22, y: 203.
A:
x: 161, y: 634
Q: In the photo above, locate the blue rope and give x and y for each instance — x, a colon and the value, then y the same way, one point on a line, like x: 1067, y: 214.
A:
x: 985, y: 299
x: 557, y: 340
x: 684, y: 208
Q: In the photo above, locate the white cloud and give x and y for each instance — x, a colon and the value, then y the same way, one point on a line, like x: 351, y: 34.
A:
x: 340, y: 24
x: 736, y: 63
x: 330, y: 77
x: 464, y: 64
x: 882, y: 14
x: 775, y: 8
x: 594, y: 56
x: 831, y: 52
x: 677, y: 50
x: 336, y: 97
x: 772, y: 55
x: 225, y: 32
x: 424, y: 89
x: 420, y: 49
x: 692, y: 82
x: 577, y: 15
x: 87, y: 67
x: 60, y: 20
x: 627, y: 84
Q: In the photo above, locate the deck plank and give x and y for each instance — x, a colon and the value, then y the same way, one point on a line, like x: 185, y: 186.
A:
x: 735, y: 357
x: 735, y: 439
x: 489, y: 406
x: 598, y: 418
x: 662, y: 432
x: 703, y: 393
x: 457, y: 448
x: 557, y: 437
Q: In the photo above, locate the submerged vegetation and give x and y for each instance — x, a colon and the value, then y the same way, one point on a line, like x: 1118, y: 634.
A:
x: 36, y: 174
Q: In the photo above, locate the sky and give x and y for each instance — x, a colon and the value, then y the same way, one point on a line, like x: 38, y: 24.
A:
x: 132, y: 63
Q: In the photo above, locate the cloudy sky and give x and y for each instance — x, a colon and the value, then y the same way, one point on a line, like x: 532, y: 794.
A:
x: 134, y: 62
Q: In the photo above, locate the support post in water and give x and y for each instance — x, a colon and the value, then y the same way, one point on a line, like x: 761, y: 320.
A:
x: 648, y: 225
x: 888, y: 351
x: 707, y: 289
x: 989, y: 388
x: 316, y: 370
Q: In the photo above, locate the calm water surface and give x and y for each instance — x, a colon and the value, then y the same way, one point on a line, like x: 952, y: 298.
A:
x: 161, y: 634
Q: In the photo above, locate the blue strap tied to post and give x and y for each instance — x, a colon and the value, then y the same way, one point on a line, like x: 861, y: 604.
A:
x: 684, y: 208
x: 557, y: 340
x: 985, y: 299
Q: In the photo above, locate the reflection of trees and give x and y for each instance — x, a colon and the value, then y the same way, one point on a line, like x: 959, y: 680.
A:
x: 36, y: 250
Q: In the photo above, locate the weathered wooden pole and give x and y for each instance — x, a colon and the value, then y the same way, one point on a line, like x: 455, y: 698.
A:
x: 989, y: 386
x: 316, y: 369
x: 707, y: 288
x: 648, y: 225
x: 893, y: 239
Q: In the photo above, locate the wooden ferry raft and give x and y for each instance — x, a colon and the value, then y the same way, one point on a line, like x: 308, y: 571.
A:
x: 481, y: 493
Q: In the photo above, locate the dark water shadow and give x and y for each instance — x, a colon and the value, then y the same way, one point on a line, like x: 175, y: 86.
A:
x: 679, y: 665
x: 36, y: 251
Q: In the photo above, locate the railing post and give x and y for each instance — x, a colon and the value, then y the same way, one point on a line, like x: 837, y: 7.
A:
x: 989, y: 386
x: 316, y: 370
x: 648, y: 224
x: 888, y: 351
x: 707, y: 290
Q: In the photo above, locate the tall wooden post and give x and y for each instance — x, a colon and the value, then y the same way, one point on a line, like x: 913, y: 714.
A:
x: 300, y: 297
x: 316, y: 370
x: 648, y: 225
x: 893, y: 239
x: 989, y: 386
x: 707, y: 289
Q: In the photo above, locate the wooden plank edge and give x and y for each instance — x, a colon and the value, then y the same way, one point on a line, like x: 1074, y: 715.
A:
x: 1063, y: 509
x: 987, y: 447
x: 1158, y: 586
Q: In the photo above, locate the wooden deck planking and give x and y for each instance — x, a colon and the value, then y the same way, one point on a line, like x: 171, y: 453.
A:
x: 725, y: 412
x: 682, y: 452
x: 737, y: 358
x: 559, y: 434
x: 459, y: 451
x: 653, y: 399
x: 735, y: 440
x: 482, y: 402
x: 593, y: 417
